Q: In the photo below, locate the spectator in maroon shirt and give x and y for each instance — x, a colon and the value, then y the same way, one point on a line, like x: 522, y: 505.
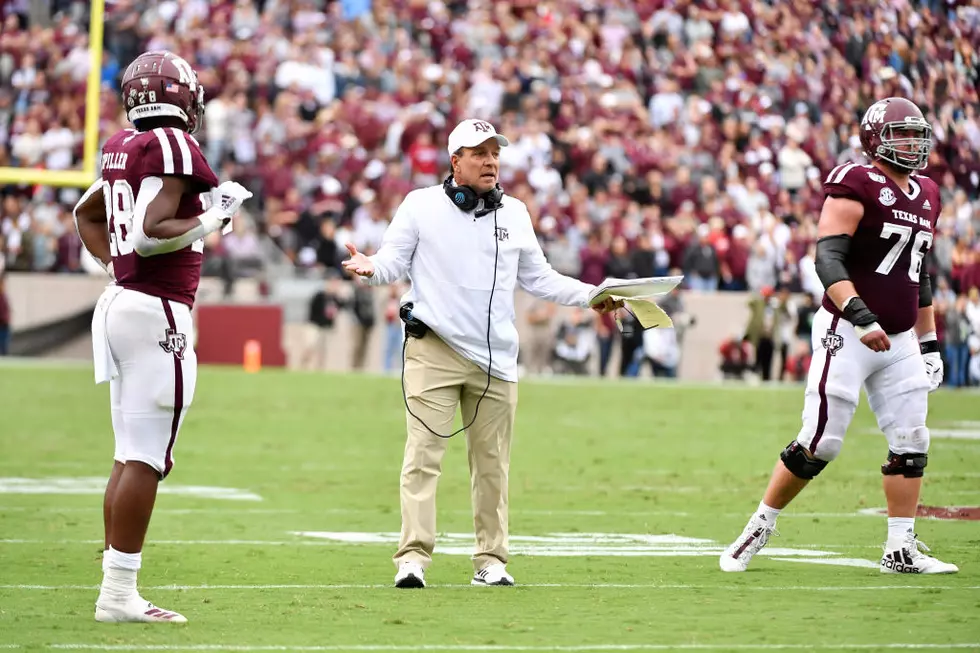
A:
x: 594, y: 257
x: 970, y: 274
x: 736, y: 260
x: 69, y: 248
x: 684, y: 189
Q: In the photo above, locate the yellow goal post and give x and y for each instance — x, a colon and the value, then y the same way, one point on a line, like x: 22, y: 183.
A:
x: 84, y: 177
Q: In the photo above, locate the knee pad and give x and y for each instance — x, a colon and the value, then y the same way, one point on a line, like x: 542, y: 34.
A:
x: 826, y: 448
x: 799, y: 462
x: 909, y: 465
x: 907, y: 440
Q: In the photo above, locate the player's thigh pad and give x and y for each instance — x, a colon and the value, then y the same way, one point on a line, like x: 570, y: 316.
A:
x: 899, y: 397
x: 833, y: 386
x: 151, y: 342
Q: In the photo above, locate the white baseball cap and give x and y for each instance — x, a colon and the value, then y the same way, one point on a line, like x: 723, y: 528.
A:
x: 471, y: 133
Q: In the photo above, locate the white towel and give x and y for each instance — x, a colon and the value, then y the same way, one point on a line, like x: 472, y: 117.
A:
x: 105, y: 366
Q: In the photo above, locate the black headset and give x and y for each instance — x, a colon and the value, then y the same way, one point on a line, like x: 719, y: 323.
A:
x: 467, y: 200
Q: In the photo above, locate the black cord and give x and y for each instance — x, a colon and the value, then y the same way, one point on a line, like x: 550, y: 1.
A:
x: 476, y: 411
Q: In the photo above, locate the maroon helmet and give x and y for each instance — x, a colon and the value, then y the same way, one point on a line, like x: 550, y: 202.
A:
x: 881, y: 142
x: 161, y: 84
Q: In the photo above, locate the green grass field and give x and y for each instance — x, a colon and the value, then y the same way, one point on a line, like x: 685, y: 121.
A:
x: 622, y: 496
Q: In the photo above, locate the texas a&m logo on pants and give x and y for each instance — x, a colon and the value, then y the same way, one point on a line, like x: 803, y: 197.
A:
x: 174, y: 343
x: 832, y: 342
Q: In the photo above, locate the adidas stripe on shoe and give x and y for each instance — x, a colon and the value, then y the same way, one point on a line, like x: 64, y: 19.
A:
x: 135, y: 609
x: 910, y: 559
x: 754, y: 536
x: 493, y: 574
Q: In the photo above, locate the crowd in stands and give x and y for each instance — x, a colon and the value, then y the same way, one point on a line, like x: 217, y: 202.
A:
x: 648, y: 136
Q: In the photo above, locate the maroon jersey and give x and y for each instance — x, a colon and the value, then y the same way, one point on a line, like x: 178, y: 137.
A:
x: 127, y: 158
x: 890, y: 241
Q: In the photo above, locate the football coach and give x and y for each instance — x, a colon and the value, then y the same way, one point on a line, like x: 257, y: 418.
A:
x: 465, y: 246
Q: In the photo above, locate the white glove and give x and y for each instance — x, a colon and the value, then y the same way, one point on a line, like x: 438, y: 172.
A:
x: 228, y: 198
x: 929, y: 346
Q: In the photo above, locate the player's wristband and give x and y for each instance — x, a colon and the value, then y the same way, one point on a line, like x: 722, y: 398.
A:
x: 213, y: 219
x: 929, y: 343
x: 862, y: 331
x: 857, y: 313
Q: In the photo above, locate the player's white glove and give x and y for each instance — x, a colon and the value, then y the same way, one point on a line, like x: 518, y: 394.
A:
x: 929, y: 346
x: 226, y: 199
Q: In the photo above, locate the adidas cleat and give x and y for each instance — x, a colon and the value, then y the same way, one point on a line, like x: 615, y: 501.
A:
x: 754, y: 536
x: 911, y: 559
x: 135, y: 609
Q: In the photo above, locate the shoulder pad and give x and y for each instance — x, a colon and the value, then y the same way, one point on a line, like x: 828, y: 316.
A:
x: 852, y: 180
x: 172, y: 151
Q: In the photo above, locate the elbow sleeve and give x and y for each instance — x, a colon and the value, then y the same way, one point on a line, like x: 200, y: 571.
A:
x: 146, y: 246
x: 831, y: 254
x: 925, y: 288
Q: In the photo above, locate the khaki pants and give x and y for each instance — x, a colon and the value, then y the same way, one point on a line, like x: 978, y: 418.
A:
x: 437, y: 379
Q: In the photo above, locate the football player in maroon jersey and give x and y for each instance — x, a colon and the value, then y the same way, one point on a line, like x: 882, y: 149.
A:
x: 145, y: 220
x: 876, y: 330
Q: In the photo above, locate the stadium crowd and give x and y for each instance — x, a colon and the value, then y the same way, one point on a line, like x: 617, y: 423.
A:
x: 648, y: 136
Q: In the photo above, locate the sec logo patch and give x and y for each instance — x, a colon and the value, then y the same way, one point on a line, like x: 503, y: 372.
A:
x: 887, y: 197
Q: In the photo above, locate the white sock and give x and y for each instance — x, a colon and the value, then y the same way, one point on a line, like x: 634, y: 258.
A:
x: 770, y: 514
x: 898, y: 530
x: 119, y: 574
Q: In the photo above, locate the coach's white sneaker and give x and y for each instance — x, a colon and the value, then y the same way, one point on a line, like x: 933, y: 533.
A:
x: 908, y: 558
x: 754, y: 536
x: 493, y: 574
x: 410, y: 575
x: 137, y: 609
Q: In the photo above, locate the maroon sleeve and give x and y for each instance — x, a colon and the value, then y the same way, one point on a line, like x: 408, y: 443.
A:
x: 173, y: 152
x: 846, y: 181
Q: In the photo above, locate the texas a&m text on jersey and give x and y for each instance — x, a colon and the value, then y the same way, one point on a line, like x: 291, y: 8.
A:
x: 875, y: 331
x: 891, y: 240
x: 145, y: 220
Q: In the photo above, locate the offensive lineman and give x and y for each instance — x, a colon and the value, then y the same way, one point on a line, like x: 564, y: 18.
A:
x: 877, y: 316
x: 145, y: 220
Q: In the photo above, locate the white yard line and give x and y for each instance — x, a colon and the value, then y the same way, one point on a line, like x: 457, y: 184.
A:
x: 708, y: 546
x: 164, y: 511
x: 187, y: 542
x: 516, y: 647
x: 94, y: 509
x: 859, y: 514
x: 653, y: 586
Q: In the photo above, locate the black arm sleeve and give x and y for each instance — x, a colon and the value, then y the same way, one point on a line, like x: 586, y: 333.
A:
x: 831, y: 254
x: 925, y: 287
